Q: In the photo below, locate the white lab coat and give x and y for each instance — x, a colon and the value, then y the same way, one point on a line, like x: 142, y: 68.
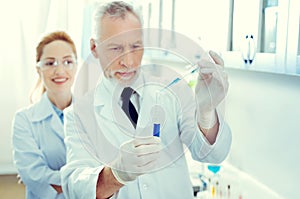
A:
x: 96, y: 126
x: 39, y: 149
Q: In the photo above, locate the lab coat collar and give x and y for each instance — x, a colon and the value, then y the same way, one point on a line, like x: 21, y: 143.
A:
x: 107, y: 96
x: 42, y: 109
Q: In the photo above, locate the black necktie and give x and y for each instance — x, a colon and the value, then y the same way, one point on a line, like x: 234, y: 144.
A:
x: 128, y: 107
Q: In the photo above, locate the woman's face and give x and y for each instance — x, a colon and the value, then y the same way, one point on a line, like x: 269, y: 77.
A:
x: 57, y: 67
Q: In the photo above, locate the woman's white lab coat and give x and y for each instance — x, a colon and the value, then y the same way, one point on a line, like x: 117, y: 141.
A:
x: 38, y: 148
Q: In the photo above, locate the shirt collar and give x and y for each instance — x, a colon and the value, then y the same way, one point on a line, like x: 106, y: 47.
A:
x: 58, y: 112
x: 44, y: 108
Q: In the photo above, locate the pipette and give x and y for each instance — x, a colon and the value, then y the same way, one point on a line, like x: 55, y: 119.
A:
x: 157, y: 111
x: 176, y: 80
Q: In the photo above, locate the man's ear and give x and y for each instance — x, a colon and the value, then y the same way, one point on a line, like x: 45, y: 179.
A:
x: 93, y: 47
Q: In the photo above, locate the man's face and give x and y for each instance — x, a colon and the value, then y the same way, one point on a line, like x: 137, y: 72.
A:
x: 120, y: 47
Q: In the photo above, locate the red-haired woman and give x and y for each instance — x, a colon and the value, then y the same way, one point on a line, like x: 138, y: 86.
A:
x: 38, y: 136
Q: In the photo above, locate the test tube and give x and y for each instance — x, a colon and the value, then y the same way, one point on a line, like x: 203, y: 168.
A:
x: 156, y: 124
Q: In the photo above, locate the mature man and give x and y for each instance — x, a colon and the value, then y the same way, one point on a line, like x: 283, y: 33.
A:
x: 110, y: 148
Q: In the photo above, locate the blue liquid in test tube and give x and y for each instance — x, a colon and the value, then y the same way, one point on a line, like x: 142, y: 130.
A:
x: 156, y: 125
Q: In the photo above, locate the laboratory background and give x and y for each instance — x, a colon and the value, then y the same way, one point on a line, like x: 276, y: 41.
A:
x: 259, y: 41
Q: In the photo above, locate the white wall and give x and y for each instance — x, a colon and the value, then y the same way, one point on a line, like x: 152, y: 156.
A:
x: 9, y: 103
x: 263, y: 111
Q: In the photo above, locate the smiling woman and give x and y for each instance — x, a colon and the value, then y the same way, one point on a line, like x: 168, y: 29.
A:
x: 54, y: 47
x: 38, y: 137
x: 23, y: 22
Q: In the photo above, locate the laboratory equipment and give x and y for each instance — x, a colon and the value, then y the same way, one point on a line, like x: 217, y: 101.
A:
x: 214, y: 181
x: 214, y: 168
x: 156, y: 122
x: 156, y: 130
x: 176, y: 80
x: 248, y: 49
x: 157, y: 108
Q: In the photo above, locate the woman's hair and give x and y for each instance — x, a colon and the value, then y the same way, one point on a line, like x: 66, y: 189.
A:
x: 39, y: 88
x: 115, y: 9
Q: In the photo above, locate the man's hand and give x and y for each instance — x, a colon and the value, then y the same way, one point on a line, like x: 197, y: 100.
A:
x: 211, y: 89
x: 137, y: 156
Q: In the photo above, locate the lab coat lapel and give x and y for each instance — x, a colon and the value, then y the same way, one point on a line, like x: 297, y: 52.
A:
x: 57, y: 126
x: 113, y: 112
x: 107, y: 105
x: 42, y: 110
